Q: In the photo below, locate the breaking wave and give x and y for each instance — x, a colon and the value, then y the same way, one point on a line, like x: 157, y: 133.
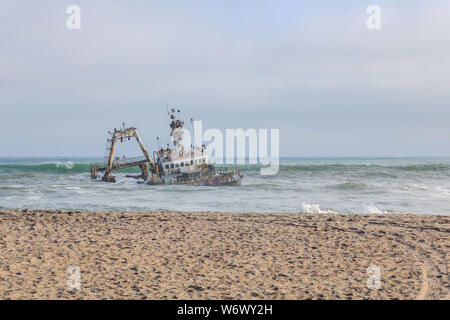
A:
x: 369, y: 169
x: 345, y: 167
x: 54, y: 168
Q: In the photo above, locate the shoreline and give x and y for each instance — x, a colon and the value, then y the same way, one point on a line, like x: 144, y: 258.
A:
x: 223, y: 255
x: 78, y: 210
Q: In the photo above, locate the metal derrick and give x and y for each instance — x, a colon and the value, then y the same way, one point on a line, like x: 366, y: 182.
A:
x: 111, y: 164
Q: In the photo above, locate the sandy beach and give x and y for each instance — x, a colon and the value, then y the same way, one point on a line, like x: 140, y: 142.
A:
x: 177, y: 255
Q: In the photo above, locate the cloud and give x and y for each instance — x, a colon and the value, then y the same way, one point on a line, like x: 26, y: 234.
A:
x: 314, y: 71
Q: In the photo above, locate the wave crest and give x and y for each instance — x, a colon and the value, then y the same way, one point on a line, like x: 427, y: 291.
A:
x: 55, y: 168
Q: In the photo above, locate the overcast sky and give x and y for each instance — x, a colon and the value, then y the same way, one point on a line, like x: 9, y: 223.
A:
x: 311, y: 69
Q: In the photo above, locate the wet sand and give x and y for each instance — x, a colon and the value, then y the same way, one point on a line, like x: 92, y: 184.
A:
x: 177, y: 255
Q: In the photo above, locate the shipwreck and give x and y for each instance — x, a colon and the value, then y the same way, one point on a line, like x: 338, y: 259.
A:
x: 172, y: 165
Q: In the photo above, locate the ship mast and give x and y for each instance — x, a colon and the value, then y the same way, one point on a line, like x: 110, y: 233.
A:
x: 176, y: 132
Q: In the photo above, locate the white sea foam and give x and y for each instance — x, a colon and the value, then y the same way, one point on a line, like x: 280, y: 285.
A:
x: 313, y: 208
x: 67, y: 165
x: 374, y: 209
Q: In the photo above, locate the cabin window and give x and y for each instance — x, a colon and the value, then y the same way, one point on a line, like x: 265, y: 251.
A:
x: 172, y: 166
x: 204, y: 160
x: 182, y: 164
x: 177, y: 165
x: 167, y: 166
x: 192, y: 161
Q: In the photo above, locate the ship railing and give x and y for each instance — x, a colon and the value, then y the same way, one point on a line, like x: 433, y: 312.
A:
x: 222, y: 170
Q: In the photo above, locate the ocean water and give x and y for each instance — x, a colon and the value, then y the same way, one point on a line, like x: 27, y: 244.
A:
x: 356, y: 185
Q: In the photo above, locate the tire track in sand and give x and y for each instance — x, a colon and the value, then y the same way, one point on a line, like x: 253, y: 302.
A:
x: 424, y: 290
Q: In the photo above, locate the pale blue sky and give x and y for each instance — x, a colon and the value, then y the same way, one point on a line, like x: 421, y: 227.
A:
x: 308, y: 68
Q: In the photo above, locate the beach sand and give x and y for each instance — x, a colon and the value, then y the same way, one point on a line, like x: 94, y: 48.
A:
x: 177, y: 255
